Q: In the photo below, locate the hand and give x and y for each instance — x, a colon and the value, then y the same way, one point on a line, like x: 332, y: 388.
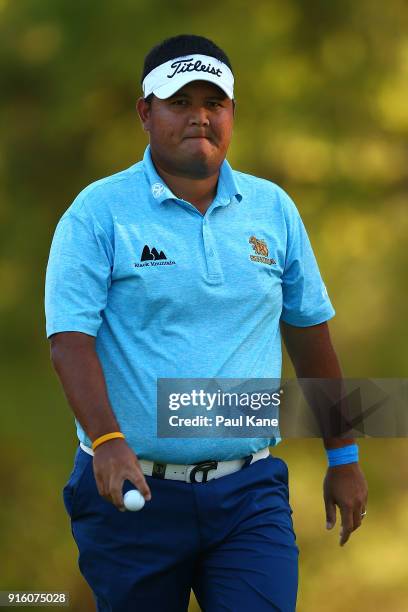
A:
x: 346, y: 486
x: 113, y: 462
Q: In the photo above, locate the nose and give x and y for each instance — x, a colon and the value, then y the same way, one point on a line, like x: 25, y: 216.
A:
x: 199, y: 116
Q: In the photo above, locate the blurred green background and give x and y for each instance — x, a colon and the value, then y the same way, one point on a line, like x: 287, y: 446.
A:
x: 322, y: 110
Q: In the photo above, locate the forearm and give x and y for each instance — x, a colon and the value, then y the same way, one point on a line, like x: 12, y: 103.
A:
x: 77, y: 365
x: 313, y: 356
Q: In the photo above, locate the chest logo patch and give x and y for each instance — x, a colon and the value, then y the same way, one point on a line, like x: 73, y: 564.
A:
x: 152, y: 257
x: 261, y: 249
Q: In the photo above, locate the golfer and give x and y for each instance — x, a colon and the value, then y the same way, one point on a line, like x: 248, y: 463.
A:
x: 181, y: 267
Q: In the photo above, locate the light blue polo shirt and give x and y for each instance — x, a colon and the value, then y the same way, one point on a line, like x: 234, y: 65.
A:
x: 171, y: 293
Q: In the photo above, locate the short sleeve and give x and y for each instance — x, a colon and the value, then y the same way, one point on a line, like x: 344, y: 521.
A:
x: 305, y: 299
x: 78, y: 276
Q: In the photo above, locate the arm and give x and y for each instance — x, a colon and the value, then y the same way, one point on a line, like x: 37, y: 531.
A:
x: 313, y: 356
x: 76, y: 362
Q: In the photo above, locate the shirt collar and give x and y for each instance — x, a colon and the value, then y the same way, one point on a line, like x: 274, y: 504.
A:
x: 227, y: 187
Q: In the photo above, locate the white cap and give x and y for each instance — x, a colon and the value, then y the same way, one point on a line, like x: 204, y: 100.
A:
x: 164, y: 80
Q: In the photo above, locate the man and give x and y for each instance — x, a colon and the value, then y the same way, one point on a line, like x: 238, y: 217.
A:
x: 180, y: 267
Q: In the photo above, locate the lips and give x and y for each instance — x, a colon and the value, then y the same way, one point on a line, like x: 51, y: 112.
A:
x: 199, y: 136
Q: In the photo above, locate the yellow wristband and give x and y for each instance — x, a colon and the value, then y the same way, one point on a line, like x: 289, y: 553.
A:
x: 106, y: 437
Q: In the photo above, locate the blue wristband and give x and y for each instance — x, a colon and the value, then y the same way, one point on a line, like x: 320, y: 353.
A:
x: 342, y: 455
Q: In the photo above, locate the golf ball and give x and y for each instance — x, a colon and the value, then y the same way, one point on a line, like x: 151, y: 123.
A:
x: 133, y: 500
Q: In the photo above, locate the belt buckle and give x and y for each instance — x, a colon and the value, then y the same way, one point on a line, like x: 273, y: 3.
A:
x: 159, y: 470
x: 204, y: 467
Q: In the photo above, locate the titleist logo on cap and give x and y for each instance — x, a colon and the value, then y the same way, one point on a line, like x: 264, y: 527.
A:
x: 187, y: 65
x: 169, y: 77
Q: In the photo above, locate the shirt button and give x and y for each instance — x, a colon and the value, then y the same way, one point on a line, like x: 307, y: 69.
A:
x: 211, y: 253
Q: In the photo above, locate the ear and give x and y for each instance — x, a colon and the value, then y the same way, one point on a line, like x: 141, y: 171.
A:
x: 144, y: 112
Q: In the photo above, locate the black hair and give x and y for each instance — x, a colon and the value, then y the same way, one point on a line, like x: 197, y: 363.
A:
x: 180, y: 45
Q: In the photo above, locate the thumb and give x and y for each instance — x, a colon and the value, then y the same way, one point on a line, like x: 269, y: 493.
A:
x: 330, y: 515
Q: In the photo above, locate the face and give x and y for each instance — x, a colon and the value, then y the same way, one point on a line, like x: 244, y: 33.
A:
x: 189, y: 132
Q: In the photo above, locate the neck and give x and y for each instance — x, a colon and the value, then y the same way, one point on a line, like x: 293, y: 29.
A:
x: 199, y: 192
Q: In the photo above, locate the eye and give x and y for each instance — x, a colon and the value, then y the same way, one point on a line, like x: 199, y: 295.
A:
x: 215, y: 104
x: 180, y: 102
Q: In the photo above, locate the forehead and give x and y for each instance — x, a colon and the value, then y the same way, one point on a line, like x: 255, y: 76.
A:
x: 203, y: 88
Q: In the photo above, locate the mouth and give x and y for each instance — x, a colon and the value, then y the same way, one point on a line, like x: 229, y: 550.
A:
x: 199, y: 136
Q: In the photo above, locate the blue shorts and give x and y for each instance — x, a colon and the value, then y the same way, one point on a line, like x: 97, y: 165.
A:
x: 231, y: 540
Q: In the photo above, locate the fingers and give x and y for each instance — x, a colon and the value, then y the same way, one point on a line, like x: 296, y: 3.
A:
x: 330, y: 514
x: 357, y: 517
x: 351, y: 520
x: 115, y: 494
x: 345, y: 486
x: 112, y: 466
x: 110, y: 489
x: 347, y: 524
x: 140, y: 483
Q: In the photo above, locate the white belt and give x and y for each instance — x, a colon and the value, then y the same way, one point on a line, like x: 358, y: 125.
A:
x: 197, y: 472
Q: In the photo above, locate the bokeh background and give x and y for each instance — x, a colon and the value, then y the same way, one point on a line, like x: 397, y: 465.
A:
x: 322, y: 110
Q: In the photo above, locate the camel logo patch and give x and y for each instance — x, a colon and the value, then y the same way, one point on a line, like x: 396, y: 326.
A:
x: 261, y: 249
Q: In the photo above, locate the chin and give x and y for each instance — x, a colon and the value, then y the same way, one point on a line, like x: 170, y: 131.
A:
x: 200, y: 163
x: 201, y: 166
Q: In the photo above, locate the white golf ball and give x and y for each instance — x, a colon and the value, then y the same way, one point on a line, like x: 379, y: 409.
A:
x: 133, y: 500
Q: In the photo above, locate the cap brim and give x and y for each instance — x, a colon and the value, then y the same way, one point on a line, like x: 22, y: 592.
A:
x: 167, y: 90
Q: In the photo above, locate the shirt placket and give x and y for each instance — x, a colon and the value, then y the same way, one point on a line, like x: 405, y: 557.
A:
x: 214, y: 271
